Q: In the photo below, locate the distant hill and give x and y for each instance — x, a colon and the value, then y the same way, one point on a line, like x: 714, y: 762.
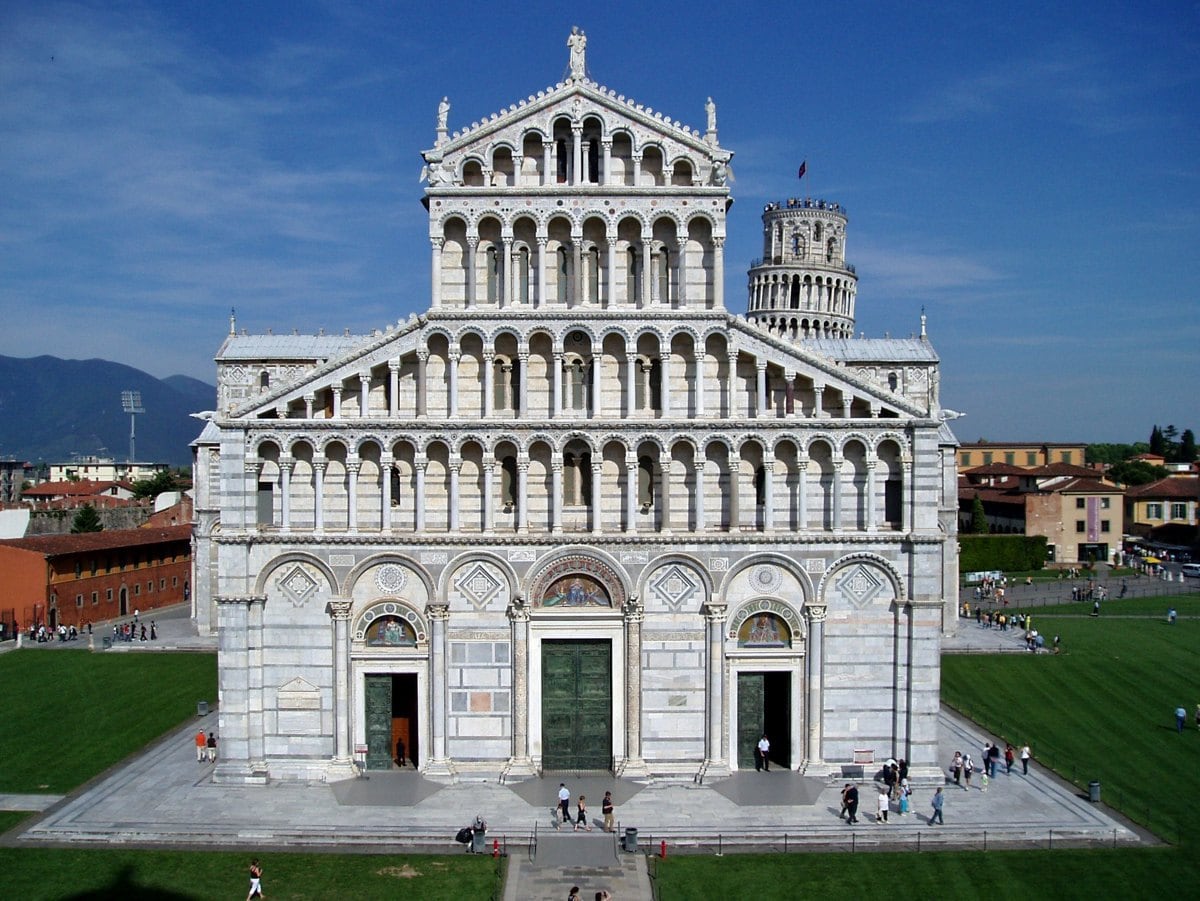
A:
x: 52, y: 410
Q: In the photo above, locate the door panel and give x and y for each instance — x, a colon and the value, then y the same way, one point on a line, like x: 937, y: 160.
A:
x: 379, y: 722
x: 749, y: 716
x: 576, y: 704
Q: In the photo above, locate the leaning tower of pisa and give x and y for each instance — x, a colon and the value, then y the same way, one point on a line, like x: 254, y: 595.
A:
x: 802, y: 286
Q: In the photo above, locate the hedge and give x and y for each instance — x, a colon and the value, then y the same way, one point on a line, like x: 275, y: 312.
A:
x: 1008, y: 553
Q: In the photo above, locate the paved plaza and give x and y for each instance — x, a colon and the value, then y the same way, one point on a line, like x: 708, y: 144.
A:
x: 164, y: 797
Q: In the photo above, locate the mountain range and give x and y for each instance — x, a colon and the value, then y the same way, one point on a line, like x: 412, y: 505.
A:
x: 53, y: 410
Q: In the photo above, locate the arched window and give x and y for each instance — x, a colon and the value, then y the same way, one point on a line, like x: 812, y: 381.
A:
x: 633, y: 286
x: 504, y: 384
x: 508, y: 482
x: 564, y: 273
x: 593, y: 275
x: 663, y: 275
x: 593, y: 161
x: 394, y: 476
x: 893, y: 381
x: 577, y: 478
x: 264, y: 381
x: 562, y: 157
x: 760, y: 485
x: 493, y: 274
x: 648, y: 393
x: 645, y: 477
x: 817, y: 233
x: 575, y: 385
x: 830, y: 250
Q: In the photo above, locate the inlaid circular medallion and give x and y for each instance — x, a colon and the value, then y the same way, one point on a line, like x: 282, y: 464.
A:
x: 390, y: 578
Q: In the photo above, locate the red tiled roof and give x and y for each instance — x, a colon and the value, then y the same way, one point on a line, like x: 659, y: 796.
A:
x: 82, y: 488
x: 1063, y: 469
x: 1087, y: 485
x: 54, y: 545
x: 997, y: 469
x: 1183, y: 487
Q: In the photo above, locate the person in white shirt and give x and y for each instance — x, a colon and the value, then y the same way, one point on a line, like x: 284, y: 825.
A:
x: 764, y: 752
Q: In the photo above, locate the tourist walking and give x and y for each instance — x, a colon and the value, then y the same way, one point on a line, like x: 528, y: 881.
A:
x: 845, y: 803
x: 764, y: 753
x: 1025, y: 755
x: 563, y: 814
x: 581, y: 814
x: 938, y: 800
x: 1180, y: 718
x: 212, y: 747
x: 905, y: 794
x: 201, y: 746
x: 968, y: 768
x: 1010, y: 754
x: 882, y: 814
x: 852, y: 803
x: 956, y: 767
x: 606, y: 808
x: 255, y: 881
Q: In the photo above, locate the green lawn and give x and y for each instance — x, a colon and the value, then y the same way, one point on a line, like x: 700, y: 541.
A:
x: 1101, y: 710
x: 1156, y: 606
x: 127, y: 875
x: 69, y: 715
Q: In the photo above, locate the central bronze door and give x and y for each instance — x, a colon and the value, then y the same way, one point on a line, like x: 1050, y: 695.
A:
x: 577, y: 705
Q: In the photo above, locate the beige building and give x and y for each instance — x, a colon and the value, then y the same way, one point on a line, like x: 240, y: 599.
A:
x: 1174, y: 500
x: 1041, y: 453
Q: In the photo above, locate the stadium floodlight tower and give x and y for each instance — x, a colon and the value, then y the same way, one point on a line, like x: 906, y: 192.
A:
x: 131, y: 403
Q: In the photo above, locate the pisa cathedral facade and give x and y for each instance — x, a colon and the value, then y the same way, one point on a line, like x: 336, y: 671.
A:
x: 579, y: 514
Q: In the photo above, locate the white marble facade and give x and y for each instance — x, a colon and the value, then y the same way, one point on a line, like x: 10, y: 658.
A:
x: 579, y: 442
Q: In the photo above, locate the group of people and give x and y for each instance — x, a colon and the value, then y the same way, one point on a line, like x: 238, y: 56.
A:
x: 130, y: 632
x: 40, y: 633
x: 602, y: 895
x: 206, y: 747
x: 962, y: 766
x: 562, y: 811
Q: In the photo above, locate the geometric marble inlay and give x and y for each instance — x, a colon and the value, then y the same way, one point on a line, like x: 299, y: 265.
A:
x: 675, y: 585
x: 390, y: 578
x: 859, y: 585
x: 766, y: 577
x: 298, y: 585
x: 479, y: 586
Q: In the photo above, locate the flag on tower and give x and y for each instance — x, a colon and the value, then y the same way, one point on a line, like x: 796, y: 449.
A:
x: 803, y: 169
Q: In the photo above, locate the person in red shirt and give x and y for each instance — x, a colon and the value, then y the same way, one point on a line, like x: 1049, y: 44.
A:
x: 201, y: 746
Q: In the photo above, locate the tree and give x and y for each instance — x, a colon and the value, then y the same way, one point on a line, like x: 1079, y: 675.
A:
x: 1136, y: 472
x: 1187, y: 447
x: 1157, y: 445
x: 86, y: 520
x: 162, y: 481
x: 979, y: 523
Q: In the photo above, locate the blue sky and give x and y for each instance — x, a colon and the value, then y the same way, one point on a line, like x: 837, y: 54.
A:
x: 1028, y: 173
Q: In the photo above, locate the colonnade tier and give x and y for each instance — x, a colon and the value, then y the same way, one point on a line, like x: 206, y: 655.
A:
x: 857, y: 484
x: 598, y: 150
x: 621, y: 261
x: 575, y: 376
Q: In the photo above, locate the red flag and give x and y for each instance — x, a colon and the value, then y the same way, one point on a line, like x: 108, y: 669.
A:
x: 803, y: 169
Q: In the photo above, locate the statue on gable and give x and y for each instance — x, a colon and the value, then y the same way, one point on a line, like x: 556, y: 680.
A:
x: 577, y: 43
x: 443, y: 113
x: 710, y: 110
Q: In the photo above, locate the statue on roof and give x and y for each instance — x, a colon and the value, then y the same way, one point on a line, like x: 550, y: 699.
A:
x: 443, y: 113
x: 710, y: 110
x: 577, y: 42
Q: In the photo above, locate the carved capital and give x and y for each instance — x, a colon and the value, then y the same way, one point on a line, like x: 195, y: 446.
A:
x: 816, y: 613
x: 340, y: 609
x: 715, y: 613
x: 633, y: 609
x: 438, y: 612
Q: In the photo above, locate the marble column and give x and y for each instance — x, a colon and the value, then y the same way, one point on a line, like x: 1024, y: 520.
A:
x: 909, y: 489
x: 455, y: 467
x: 342, y: 764
x: 489, y: 390
x: 681, y: 273
x: 815, y: 658
x: 422, y: 383
x: 437, y: 763
x: 522, y: 495
x: 504, y: 295
x: 789, y: 388
x: 769, y: 494
x: 435, y: 273
x: 735, y: 493
x: 718, y: 273
x: 386, y: 462
x: 472, y: 246
x: 610, y: 294
x: 872, y: 513
x: 760, y: 404
x: 540, y: 299
x: 518, y: 615
x: 597, y: 405
x: 637, y: 168
x: 393, y: 388
x: 730, y: 383
x: 452, y: 386
x: 364, y: 394
x: 701, y: 387
x: 631, y: 494
x: 664, y: 373
x: 630, y: 384
x: 576, y: 154
x: 664, y: 468
x: 838, y: 463
x: 634, y: 764
x: 606, y: 146
x: 597, y: 498
x: 556, y: 504
x: 336, y: 390
x: 285, y: 493
x: 235, y: 717
x: 699, y: 465
x: 556, y: 384
x: 647, y: 273
x: 318, y: 466
x: 819, y: 402
x: 716, y: 744
x: 353, y: 465
x: 489, y: 494
x: 802, y: 495
x: 309, y: 400
x: 548, y: 163
x: 419, y: 466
